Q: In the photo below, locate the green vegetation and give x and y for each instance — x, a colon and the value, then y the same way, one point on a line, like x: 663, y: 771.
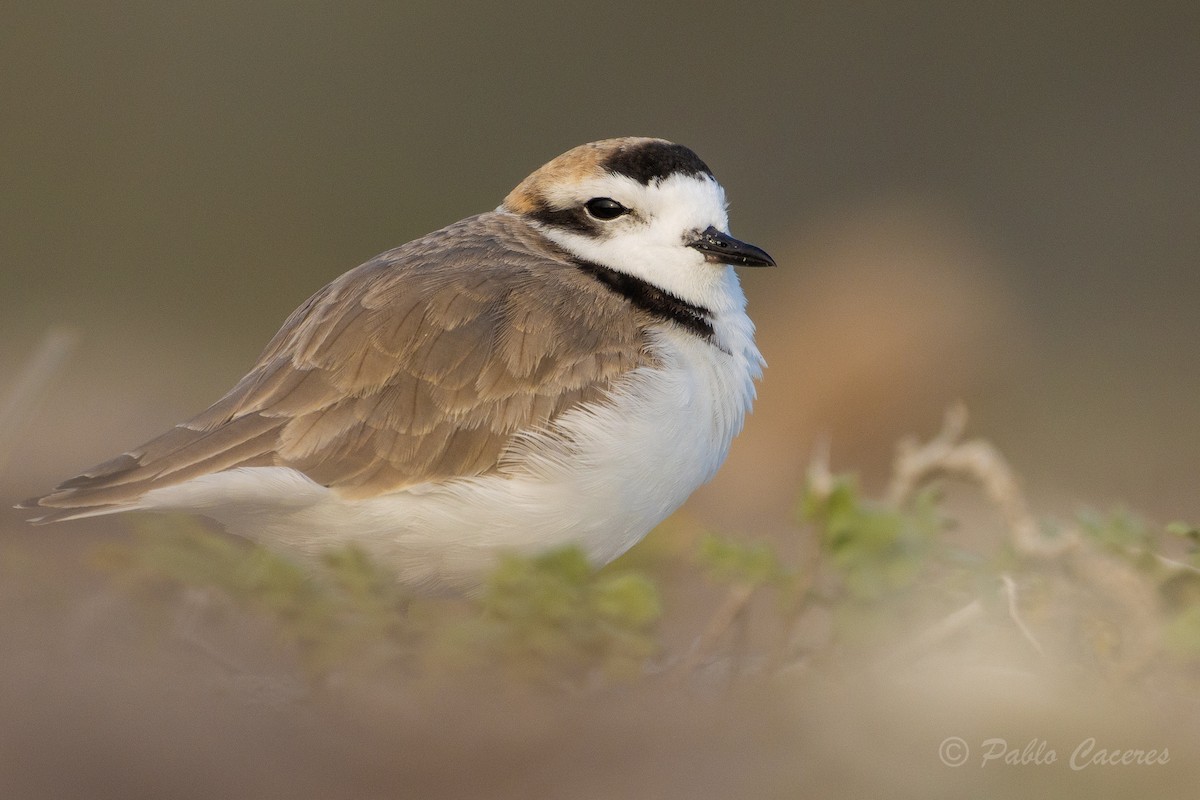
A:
x: 552, y: 618
x: 897, y: 575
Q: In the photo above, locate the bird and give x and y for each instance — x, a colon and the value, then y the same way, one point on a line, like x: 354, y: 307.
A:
x: 562, y: 371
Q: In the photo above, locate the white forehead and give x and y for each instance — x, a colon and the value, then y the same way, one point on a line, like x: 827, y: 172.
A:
x: 686, y: 201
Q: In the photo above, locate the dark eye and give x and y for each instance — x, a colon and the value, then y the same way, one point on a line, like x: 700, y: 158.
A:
x: 605, y: 208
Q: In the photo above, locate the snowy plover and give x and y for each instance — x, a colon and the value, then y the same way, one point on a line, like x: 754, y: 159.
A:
x: 565, y: 369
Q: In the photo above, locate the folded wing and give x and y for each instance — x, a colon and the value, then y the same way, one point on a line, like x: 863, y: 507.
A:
x: 418, y: 366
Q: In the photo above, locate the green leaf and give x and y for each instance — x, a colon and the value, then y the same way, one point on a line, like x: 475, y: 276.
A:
x: 753, y: 563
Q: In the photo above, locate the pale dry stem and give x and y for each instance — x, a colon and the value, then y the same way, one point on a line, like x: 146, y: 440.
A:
x: 980, y: 462
x: 1118, y: 581
x: 1132, y: 599
x: 939, y: 632
x: 1014, y: 612
x: 48, y: 358
x: 731, y: 608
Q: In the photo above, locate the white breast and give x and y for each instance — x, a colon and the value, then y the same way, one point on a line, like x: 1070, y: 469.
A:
x: 602, y: 478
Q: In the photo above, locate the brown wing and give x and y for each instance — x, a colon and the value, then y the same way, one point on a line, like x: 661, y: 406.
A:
x: 417, y: 366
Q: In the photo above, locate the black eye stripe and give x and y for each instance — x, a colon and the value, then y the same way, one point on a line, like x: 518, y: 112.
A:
x: 571, y: 219
x: 587, y: 219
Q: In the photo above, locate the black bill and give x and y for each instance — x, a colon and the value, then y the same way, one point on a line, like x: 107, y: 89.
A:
x: 721, y: 248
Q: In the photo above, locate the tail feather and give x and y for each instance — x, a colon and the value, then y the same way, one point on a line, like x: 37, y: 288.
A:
x: 64, y: 514
x: 180, y: 454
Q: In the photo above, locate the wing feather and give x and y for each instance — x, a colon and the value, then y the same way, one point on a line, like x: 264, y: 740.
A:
x: 421, y: 365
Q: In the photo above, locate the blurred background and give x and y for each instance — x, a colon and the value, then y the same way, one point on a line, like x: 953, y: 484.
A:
x: 994, y: 203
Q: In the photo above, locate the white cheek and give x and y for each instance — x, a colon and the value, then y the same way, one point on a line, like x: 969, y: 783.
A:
x: 652, y: 245
x: 663, y: 261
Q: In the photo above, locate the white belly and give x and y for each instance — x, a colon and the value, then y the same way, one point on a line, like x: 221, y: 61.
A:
x: 601, y: 479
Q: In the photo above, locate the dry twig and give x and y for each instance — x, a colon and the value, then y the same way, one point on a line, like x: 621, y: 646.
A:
x: 31, y: 384
x: 1014, y: 612
x: 731, y: 608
